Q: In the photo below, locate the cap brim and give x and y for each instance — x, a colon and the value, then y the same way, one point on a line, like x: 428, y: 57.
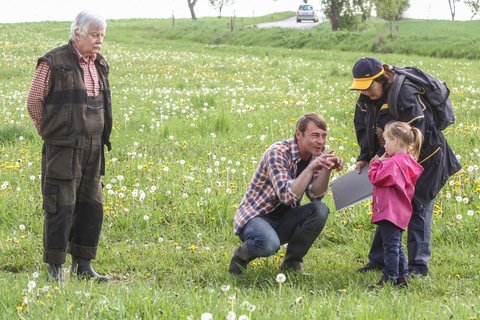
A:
x: 361, y: 84
x: 364, y: 83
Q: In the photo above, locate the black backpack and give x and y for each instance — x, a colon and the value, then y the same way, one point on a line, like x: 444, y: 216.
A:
x: 434, y: 91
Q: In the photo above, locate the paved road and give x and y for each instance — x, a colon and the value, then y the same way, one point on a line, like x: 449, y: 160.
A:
x: 289, y: 23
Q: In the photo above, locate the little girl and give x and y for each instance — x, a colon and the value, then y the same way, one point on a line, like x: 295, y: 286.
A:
x: 394, y: 176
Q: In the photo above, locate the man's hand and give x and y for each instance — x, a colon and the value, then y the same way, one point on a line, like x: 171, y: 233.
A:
x: 328, y: 161
x: 360, y: 165
x: 338, y: 163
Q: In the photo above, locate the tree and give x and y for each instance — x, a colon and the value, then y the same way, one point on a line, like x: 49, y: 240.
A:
x: 191, y: 6
x: 364, y: 7
x: 451, y: 4
x: 333, y: 10
x: 219, y: 4
x: 391, y: 10
x: 474, y: 6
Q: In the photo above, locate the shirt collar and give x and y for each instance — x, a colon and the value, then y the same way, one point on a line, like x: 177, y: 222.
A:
x: 87, y: 58
x: 294, y: 150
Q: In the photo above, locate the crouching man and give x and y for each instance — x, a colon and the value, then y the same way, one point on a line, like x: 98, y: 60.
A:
x: 270, y: 213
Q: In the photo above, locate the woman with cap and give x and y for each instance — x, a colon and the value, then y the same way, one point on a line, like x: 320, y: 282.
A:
x: 373, y: 80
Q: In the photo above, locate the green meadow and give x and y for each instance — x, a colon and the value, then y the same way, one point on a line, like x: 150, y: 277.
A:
x: 195, y: 107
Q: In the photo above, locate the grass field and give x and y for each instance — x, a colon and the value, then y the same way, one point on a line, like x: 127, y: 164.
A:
x: 191, y: 120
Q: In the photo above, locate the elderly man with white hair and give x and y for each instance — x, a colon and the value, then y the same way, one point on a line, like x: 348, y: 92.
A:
x: 70, y: 104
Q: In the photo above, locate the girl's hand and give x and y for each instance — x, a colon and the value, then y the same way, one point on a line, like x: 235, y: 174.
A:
x: 384, y: 156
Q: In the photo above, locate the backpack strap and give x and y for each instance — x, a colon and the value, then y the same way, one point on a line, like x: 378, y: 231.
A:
x: 392, y: 97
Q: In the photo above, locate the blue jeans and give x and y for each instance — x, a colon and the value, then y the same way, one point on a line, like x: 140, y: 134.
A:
x: 418, y: 241
x: 394, y: 257
x: 264, y: 235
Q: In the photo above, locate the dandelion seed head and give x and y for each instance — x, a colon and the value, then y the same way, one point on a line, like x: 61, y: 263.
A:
x: 225, y: 287
x: 231, y: 316
x: 281, y: 278
x: 31, y: 284
x: 21, y: 227
x: 459, y: 217
x: 206, y: 316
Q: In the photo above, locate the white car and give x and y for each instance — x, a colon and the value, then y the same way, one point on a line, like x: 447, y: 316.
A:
x: 306, y: 12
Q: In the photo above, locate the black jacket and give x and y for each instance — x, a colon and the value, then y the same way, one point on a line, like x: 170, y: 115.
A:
x: 436, y: 157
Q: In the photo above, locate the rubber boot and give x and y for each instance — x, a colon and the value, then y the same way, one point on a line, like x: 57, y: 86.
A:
x: 84, y: 270
x: 402, y: 282
x: 55, y: 272
x: 297, y: 248
x: 240, y: 259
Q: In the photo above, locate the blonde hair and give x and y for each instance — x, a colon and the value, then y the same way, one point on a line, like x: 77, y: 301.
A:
x: 410, y: 136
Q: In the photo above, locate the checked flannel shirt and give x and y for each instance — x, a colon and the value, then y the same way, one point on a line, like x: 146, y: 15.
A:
x: 271, y: 184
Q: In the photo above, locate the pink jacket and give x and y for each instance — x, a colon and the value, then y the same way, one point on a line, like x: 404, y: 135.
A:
x: 394, y: 184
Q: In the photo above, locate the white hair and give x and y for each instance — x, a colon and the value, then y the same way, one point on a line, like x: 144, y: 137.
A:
x: 83, y: 21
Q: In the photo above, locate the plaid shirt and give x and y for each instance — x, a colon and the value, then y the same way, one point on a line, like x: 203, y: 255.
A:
x: 271, y: 184
x: 41, y: 85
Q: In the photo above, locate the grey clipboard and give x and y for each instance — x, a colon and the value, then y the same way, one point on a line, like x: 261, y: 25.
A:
x: 351, y: 188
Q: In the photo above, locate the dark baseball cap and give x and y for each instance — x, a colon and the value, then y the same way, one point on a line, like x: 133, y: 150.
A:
x: 364, y: 72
